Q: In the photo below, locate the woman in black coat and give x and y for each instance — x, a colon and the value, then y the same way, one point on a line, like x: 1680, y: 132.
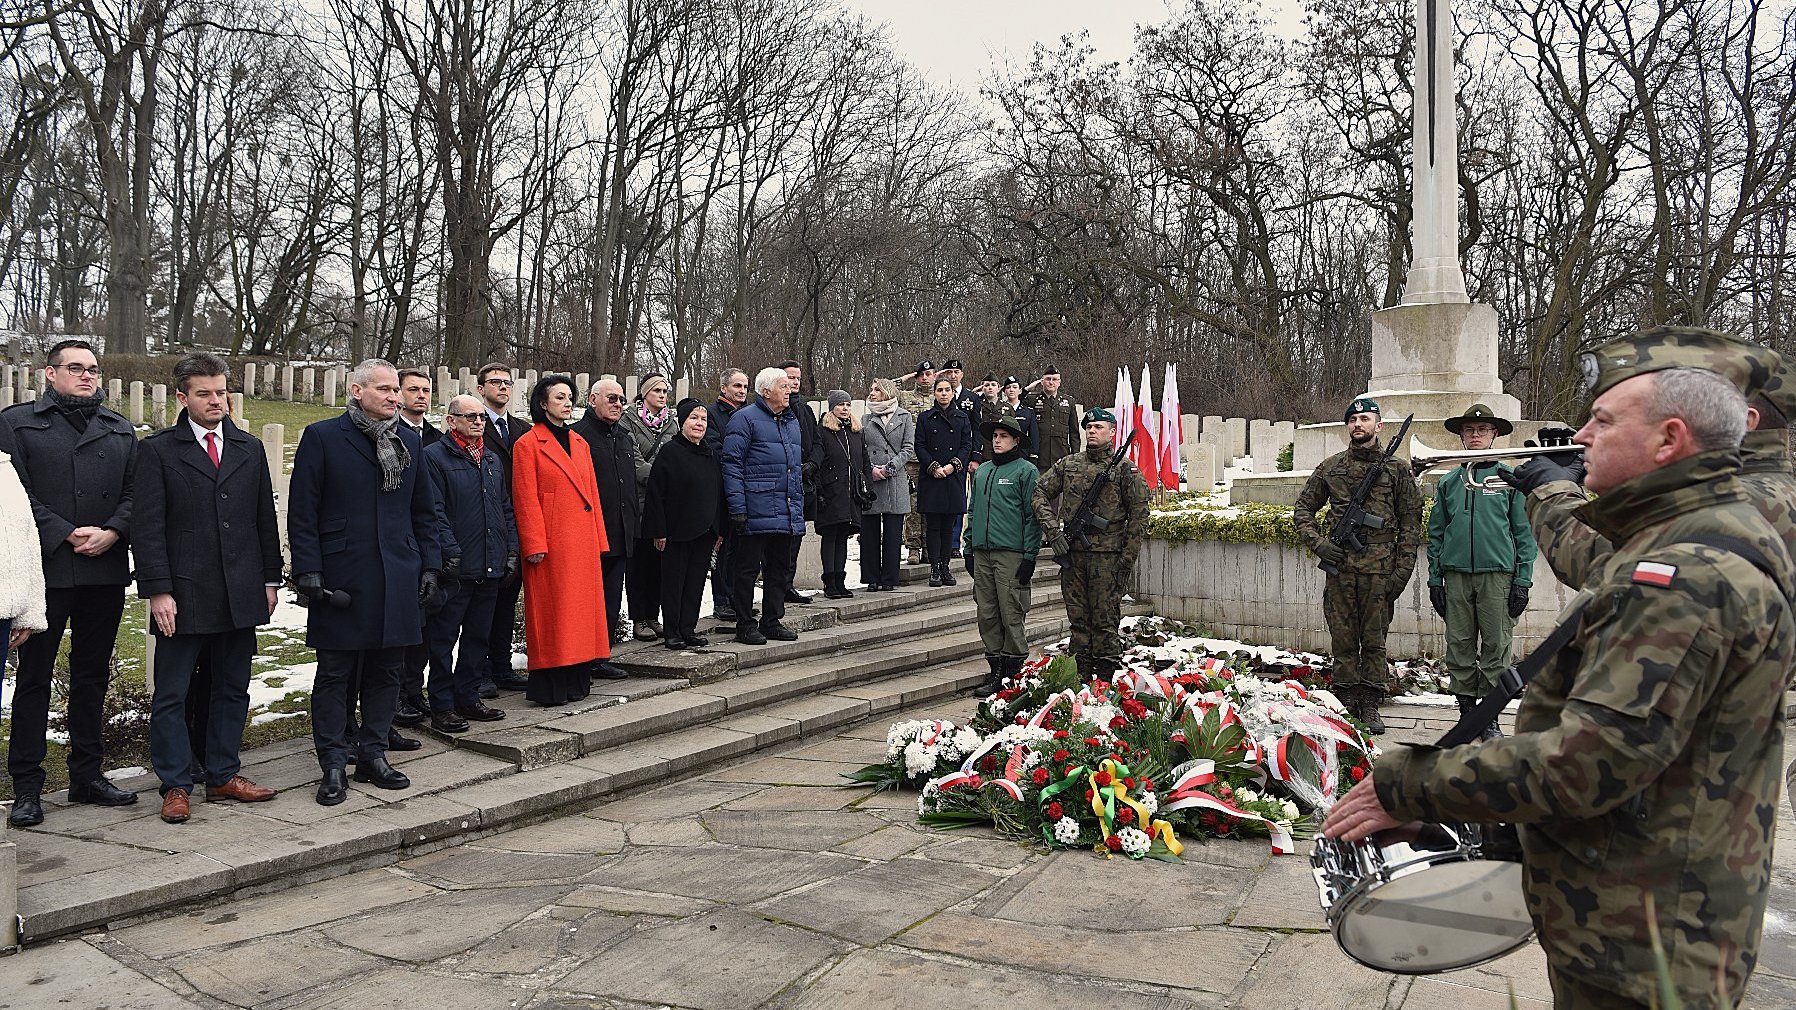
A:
x: 683, y: 519
x: 944, y: 444
x: 842, y: 484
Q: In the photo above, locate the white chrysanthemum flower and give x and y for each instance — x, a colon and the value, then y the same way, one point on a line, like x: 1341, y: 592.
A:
x: 918, y: 759
x: 1150, y: 803
x: 1010, y: 736
x: 964, y: 741
x: 1290, y: 810
x: 1099, y: 715
x: 1134, y: 840
x: 999, y: 706
x: 1066, y: 831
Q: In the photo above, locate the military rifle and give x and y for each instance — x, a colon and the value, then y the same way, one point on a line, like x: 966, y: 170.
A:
x: 1353, y: 515
x: 1078, y: 528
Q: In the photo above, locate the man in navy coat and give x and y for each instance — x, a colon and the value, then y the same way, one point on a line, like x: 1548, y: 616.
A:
x: 361, y: 526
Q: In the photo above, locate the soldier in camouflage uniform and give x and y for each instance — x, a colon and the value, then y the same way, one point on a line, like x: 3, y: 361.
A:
x: 915, y: 399
x: 1095, y: 577
x: 1357, y: 602
x: 1645, y: 758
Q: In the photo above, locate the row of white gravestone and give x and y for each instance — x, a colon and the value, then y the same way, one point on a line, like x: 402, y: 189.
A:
x: 1213, y: 443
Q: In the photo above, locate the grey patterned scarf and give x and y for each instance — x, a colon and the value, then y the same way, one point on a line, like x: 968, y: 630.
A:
x: 389, y: 449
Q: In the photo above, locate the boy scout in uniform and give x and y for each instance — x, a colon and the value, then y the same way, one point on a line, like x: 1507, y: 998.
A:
x: 1094, y: 576
x: 1357, y: 600
x: 1644, y: 763
x: 1003, y: 538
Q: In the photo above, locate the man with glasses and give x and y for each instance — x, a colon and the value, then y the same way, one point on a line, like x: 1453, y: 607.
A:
x: 77, y: 461
x: 502, y: 432
x: 621, y: 473
x: 479, y: 539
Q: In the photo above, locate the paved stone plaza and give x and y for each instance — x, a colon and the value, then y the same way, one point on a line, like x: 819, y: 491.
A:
x: 763, y: 883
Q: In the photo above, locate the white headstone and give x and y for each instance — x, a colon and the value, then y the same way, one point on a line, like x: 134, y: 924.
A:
x: 159, y: 405
x: 237, y: 410
x: 115, y: 391
x: 1260, y: 444
x: 136, y: 402
x: 1313, y: 445
x: 274, y: 439
x: 287, y: 383
x: 1200, y: 465
x: 582, y: 383
x: 268, y: 378
x: 308, y: 384
x: 330, y: 387
x: 1234, y: 440
x: 249, y: 378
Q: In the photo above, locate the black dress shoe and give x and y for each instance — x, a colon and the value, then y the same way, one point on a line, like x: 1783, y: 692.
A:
x: 696, y: 641
x: 604, y: 670
x: 510, y: 682
x: 332, y: 788
x: 409, y: 713
x: 401, y: 743
x: 780, y: 633
x: 101, y: 793
x: 481, y: 713
x: 487, y: 689
x: 748, y: 634
x: 376, y: 772
x: 724, y: 615
x: 27, y: 811
x: 448, y: 722
x: 673, y: 644
x: 794, y: 596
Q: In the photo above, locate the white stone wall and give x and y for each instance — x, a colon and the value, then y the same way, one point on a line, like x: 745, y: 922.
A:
x: 1272, y: 594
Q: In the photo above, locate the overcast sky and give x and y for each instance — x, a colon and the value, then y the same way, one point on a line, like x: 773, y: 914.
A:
x: 956, y: 41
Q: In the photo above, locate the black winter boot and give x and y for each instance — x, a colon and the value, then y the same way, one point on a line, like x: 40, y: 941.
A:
x: 1370, y: 699
x: 948, y: 574
x: 994, y: 675
x: 936, y: 569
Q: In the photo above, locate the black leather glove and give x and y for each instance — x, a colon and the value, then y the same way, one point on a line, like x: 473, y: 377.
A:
x: 427, y: 585
x: 1437, y: 598
x: 1518, y: 599
x: 1330, y: 551
x: 1554, y: 435
x: 1543, y: 470
x: 309, y: 586
x: 739, y: 521
x: 967, y: 556
x: 510, y: 578
x: 808, y: 473
x: 1025, y: 570
x: 452, y: 568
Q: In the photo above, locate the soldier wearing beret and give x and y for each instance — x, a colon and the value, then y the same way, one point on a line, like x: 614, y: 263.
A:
x: 1094, y: 576
x: 1643, y: 771
x: 1357, y: 600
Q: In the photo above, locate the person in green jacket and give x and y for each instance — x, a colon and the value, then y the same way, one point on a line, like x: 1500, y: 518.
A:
x: 1003, y: 537
x: 1480, y: 562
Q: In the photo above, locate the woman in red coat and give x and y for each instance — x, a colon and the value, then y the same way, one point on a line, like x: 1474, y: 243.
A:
x: 561, y: 534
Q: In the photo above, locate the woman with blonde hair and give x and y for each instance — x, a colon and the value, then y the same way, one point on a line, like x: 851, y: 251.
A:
x: 890, y: 433
x: 651, y: 424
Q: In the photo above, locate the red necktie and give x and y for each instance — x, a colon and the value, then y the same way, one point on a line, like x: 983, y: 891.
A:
x: 212, y: 447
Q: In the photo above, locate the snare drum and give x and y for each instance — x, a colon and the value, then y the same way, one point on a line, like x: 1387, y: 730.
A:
x: 1433, y: 904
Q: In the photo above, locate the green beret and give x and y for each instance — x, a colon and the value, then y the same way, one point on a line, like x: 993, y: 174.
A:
x: 1363, y: 405
x: 1097, y: 414
x: 1748, y: 366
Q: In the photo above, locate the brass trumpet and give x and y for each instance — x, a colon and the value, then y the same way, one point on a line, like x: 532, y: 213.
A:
x: 1423, y: 458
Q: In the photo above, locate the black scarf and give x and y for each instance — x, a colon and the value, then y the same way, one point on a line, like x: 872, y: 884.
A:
x: 78, y: 409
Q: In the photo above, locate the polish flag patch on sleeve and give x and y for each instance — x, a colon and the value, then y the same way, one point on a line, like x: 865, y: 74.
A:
x: 1652, y: 573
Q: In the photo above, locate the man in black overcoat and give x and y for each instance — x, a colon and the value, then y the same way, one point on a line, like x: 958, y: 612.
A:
x: 621, y: 471
x: 208, y: 553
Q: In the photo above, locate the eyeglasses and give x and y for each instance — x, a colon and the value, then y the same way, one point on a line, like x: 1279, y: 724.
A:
x: 476, y: 415
x: 614, y: 398
x: 496, y: 382
x: 80, y: 370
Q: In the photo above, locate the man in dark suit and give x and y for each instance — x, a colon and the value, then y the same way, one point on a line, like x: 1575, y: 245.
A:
x: 362, y: 524
x: 414, y: 403
x: 966, y: 400
x: 503, y: 430
x: 479, y: 539
x: 813, y: 452
x: 621, y: 471
x: 76, y: 460
x: 732, y: 394
x: 208, y: 555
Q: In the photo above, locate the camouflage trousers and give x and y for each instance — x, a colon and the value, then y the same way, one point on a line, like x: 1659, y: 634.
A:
x: 1574, y: 994
x: 1093, y: 584
x: 1480, y: 632
x: 913, y: 520
x: 1358, y: 610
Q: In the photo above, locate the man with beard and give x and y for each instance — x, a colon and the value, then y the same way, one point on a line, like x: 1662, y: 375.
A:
x: 1358, y: 599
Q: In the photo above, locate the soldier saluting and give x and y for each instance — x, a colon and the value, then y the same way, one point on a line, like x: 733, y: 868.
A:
x: 1097, y: 561
x: 1645, y: 759
x: 1359, y: 594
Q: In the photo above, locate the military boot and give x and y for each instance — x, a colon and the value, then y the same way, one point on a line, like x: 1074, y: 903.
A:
x: 994, y: 675
x: 1370, y: 699
x: 1013, y: 666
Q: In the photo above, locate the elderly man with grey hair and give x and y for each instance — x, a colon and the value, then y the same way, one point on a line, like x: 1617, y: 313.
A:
x: 763, y: 489
x: 622, y: 475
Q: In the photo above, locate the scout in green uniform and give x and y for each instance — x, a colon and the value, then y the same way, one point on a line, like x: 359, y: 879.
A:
x: 1645, y: 757
x: 1480, y: 561
x: 1003, y: 538
x: 1095, y: 577
x: 1357, y: 601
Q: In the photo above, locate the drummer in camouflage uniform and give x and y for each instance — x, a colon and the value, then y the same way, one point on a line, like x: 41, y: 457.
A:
x: 1094, y: 577
x: 1645, y: 759
x: 1357, y: 602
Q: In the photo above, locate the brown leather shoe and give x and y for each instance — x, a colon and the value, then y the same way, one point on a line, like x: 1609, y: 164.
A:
x: 174, y: 806
x: 240, y: 789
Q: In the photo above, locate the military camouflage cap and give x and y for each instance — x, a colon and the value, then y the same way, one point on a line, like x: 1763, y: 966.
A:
x: 1748, y: 366
x: 1780, y: 389
x: 1363, y: 405
x: 1097, y: 414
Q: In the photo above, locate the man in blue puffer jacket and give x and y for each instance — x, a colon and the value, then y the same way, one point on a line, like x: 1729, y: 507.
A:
x: 763, y: 487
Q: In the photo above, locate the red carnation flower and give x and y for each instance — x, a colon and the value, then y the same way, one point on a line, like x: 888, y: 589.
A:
x: 1118, y: 722
x: 1125, y: 816
x: 1147, y: 783
x: 1021, y: 720
x: 1089, y: 794
x: 1061, y: 755
x: 1223, y: 828
x: 1113, y: 843
x: 1061, y: 734
x: 1129, y: 780
x: 1134, y: 709
x: 1056, y: 811
x: 1358, y: 773
x: 1207, y: 819
x: 1103, y: 778
x: 1123, y: 745
x: 1040, y: 776
x: 1225, y: 792
x: 1092, y: 741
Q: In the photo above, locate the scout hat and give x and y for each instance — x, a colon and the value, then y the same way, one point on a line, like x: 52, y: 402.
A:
x: 1005, y: 422
x: 1748, y: 366
x: 1478, y: 412
x: 1363, y: 405
x: 1097, y: 414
